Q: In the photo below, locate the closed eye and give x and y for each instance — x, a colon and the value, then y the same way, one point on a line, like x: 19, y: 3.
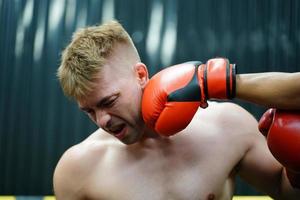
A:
x: 108, y: 102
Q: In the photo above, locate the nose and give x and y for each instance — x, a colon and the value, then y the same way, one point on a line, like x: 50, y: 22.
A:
x: 102, y: 119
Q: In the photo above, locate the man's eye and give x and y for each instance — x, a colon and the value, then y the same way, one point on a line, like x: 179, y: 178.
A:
x: 109, y: 103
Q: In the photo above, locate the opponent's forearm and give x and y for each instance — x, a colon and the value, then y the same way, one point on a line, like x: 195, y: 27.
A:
x: 272, y: 89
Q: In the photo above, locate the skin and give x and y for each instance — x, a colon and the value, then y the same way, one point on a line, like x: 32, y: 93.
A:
x: 270, y: 89
x: 200, y: 162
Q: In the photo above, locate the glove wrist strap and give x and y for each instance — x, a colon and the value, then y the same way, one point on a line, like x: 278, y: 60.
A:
x: 218, y: 79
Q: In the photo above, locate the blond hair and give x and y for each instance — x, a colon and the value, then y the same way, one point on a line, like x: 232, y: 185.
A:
x: 86, y: 54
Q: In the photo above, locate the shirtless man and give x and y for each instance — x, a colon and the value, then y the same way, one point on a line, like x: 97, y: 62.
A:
x: 125, y: 159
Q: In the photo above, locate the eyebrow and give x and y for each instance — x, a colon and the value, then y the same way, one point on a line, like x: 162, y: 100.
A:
x: 102, y: 101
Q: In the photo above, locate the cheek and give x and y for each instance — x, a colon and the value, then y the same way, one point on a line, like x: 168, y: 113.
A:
x: 131, y: 99
x: 135, y: 102
x: 138, y: 98
x: 133, y: 92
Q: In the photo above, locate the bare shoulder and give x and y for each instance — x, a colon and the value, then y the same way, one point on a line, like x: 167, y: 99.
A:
x: 229, y: 124
x: 229, y: 115
x: 75, y: 167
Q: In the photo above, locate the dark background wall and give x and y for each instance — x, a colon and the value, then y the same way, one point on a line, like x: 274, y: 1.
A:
x: 37, y: 123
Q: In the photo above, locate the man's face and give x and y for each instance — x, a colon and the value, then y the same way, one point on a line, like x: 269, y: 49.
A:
x: 115, y: 103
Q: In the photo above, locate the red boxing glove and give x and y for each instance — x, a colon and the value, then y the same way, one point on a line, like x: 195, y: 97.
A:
x: 282, y: 129
x: 217, y: 79
x: 172, y: 96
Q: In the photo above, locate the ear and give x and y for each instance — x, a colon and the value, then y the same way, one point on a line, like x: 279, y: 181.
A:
x: 141, y: 73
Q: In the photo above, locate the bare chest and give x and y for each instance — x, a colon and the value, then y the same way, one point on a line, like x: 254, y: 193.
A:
x: 181, y: 171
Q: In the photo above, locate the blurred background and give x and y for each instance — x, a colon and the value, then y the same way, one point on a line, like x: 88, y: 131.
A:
x: 37, y: 123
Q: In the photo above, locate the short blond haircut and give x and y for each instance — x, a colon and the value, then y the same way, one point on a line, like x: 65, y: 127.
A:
x: 86, y: 54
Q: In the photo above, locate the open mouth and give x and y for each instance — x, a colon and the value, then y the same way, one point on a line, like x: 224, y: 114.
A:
x: 118, y: 130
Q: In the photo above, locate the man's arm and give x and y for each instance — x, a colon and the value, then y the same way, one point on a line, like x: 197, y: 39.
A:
x: 258, y: 167
x: 272, y: 89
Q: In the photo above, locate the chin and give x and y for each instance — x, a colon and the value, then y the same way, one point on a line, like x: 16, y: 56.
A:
x: 129, y: 141
x: 132, y: 138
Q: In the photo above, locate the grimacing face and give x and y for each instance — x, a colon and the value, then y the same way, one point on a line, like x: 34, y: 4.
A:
x: 115, y: 103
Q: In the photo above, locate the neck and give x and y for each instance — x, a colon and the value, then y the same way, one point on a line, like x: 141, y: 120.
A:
x: 148, y: 133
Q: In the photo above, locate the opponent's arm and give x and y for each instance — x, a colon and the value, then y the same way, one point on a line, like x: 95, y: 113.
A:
x: 179, y: 90
x: 270, y: 89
